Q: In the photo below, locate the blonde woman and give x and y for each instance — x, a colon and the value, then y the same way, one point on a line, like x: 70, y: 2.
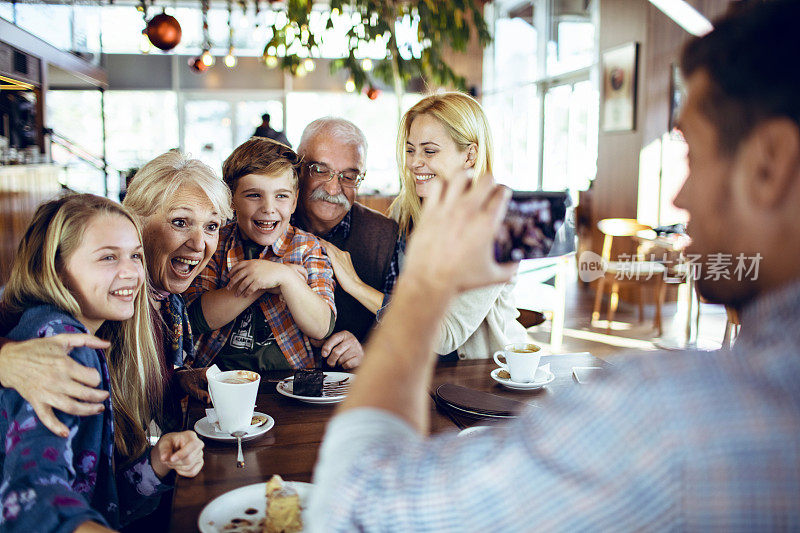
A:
x: 444, y: 137
x: 80, y: 269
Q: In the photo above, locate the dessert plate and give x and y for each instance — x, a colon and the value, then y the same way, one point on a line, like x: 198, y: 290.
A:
x: 206, y: 429
x: 242, y: 509
x: 285, y: 387
x: 543, y: 377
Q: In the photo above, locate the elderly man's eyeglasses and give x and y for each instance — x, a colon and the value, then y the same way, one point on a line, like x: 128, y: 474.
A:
x: 347, y: 178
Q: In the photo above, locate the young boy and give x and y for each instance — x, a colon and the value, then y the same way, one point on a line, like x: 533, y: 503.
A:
x: 269, y: 286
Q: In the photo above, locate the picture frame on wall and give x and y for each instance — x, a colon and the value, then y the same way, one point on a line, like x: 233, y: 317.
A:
x: 620, y: 66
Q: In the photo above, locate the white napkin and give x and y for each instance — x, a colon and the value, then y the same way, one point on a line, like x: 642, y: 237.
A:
x: 542, y: 373
x: 211, y: 414
x: 212, y: 371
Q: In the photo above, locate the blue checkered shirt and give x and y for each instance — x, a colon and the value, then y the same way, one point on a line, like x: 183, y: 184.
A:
x: 665, y: 441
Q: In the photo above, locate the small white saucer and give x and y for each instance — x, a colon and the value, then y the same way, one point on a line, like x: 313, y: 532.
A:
x: 210, y: 431
x: 543, y: 377
x: 472, y: 431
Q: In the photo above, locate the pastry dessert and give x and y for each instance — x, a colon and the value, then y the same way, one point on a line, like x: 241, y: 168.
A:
x: 308, y: 382
x: 283, y: 508
x: 258, y: 420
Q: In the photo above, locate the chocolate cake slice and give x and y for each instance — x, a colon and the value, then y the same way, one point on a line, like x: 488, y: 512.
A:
x: 308, y: 382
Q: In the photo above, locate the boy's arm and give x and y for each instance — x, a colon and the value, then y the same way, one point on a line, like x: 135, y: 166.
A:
x: 221, y: 306
x: 320, y: 283
x: 251, y: 278
x: 310, y: 312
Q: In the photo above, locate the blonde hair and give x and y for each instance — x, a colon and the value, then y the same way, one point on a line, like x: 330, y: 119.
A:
x: 54, y: 234
x: 464, y: 119
x: 157, y: 182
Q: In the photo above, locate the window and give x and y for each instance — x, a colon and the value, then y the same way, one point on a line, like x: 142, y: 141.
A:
x: 139, y: 126
x: 72, y: 28
x: 7, y: 11
x: 49, y: 22
x: 539, y: 94
x: 570, y: 137
x: 248, y: 118
x: 207, y: 131
x: 514, y: 120
x: 76, y: 121
x: 76, y: 116
x: 573, y: 45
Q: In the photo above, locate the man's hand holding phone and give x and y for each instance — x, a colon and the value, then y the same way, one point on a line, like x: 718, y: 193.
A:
x: 534, y: 227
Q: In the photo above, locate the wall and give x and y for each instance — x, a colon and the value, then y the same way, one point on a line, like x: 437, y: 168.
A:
x: 22, y: 189
x: 169, y: 72
x: 621, y: 188
x: 616, y: 190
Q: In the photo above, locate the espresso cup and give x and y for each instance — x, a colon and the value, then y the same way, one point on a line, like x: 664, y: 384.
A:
x: 521, y: 361
x: 233, y: 394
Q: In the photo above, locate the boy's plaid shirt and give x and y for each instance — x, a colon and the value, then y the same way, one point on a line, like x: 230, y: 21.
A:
x: 295, y: 246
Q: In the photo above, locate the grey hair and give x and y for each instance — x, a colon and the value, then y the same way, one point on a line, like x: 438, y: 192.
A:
x: 158, y: 181
x: 342, y: 129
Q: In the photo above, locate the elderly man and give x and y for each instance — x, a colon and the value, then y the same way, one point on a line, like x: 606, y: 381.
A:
x: 672, y: 441
x: 334, y: 152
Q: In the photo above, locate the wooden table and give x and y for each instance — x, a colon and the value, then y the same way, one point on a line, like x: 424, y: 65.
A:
x: 290, y: 448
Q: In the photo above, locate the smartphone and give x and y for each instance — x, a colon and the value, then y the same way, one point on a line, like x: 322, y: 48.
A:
x: 537, y: 224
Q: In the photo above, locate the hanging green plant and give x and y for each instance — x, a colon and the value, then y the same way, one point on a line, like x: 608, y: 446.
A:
x: 440, y: 25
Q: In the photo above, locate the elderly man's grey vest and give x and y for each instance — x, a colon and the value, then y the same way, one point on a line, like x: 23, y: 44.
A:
x: 371, y: 244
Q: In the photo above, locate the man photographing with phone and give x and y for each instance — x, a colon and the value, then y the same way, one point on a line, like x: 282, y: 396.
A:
x: 672, y: 441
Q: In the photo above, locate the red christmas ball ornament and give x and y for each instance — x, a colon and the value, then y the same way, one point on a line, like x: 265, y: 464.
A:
x: 197, y: 65
x: 373, y: 93
x: 164, y: 31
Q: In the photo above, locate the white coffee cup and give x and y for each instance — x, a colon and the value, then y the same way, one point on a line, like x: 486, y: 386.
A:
x: 521, y: 361
x: 233, y: 394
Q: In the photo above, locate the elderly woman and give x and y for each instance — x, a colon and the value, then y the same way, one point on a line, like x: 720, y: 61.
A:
x: 181, y: 205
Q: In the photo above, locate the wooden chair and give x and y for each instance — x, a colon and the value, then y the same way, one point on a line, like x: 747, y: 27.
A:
x: 635, y: 272
x: 732, y: 326
x: 529, y: 318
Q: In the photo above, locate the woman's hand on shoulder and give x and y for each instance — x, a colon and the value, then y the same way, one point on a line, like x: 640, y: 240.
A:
x: 182, y: 452
x: 44, y: 374
x: 341, y: 261
x: 349, y: 280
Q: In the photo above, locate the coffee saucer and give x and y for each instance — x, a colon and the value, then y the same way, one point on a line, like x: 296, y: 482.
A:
x: 206, y: 429
x: 473, y: 430
x: 543, y: 377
